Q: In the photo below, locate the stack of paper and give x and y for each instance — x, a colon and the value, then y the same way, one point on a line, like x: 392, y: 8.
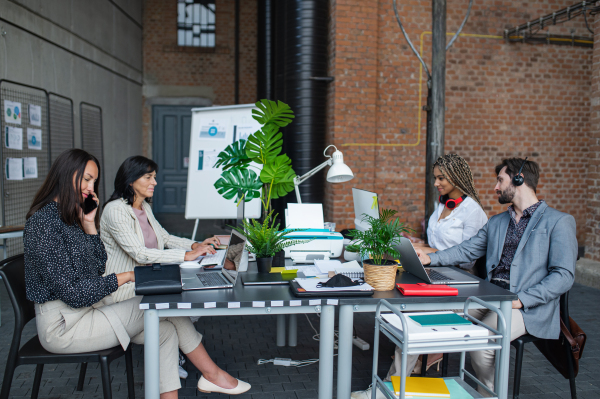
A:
x: 326, y: 266
x: 419, y: 387
x: 310, y: 285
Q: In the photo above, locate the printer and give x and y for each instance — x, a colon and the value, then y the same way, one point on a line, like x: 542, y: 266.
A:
x: 323, y: 243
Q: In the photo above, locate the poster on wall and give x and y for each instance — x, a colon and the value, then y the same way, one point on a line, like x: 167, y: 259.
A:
x: 13, y: 137
x: 12, y: 112
x: 212, y: 130
x: 34, y: 139
x: 30, y: 168
x: 14, y: 169
x: 35, y: 115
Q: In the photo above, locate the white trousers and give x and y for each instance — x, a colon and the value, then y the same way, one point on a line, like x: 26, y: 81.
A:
x: 62, y: 329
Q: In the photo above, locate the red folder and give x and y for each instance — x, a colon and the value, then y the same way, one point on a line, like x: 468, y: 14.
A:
x: 424, y: 289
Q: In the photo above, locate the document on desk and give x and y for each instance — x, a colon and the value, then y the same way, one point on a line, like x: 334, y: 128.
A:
x: 310, y: 285
x: 326, y: 266
x: 309, y: 271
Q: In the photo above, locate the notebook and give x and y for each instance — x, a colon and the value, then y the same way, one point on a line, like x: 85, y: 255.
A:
x: 448, y: 319
x: 422, y: 387
x: 351, y: 269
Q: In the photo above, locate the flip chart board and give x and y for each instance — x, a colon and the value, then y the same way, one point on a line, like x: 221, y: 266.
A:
x: 213, y: 129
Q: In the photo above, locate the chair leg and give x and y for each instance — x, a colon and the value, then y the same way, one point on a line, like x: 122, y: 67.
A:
x: 518, y: 367
x: 423, y: 365
x: 129, y: 368
x: 445, y: 365
x: 570, y: 365
x: 105, y: 371
x: 9, y: 372
x: 81, y: 380
x: 37, y: 380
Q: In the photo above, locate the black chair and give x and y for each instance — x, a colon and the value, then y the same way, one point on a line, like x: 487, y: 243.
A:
x: 520, y: 342
x: 13, y: 273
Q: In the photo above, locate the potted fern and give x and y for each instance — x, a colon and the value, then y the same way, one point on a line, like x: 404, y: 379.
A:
x: 243, y: 179
x: 265, y: 240
x: 377, y: 245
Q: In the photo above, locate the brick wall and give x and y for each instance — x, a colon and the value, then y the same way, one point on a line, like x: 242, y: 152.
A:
x: 167, y: 64
x: 502, y: 100
x: 593, y: 172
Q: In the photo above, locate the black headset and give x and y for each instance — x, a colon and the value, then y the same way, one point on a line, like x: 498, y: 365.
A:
x: 518, y: 180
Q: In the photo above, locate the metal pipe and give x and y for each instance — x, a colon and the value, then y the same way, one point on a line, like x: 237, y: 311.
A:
x: 435, y: 137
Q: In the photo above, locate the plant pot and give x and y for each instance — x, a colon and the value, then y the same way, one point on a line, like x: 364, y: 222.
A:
x: 350, y: 256
x: 279, y: 259
x: 264, y: 264
x: 380, y: 277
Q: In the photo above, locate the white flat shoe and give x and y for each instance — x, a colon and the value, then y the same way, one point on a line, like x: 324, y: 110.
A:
x: 206, y: 386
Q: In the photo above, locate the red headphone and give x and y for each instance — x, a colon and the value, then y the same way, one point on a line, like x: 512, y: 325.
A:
x: 451, y: 203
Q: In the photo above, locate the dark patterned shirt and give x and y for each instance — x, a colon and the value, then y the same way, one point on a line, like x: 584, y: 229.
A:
x: 63, y: 262
x: 514, y: 233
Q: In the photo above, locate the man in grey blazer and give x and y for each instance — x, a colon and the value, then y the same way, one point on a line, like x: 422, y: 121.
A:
x: 530, y: 249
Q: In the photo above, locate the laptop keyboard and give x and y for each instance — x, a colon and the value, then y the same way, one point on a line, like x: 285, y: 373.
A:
x: 216, y: 259
x: 437, y: 276
x: 211, y: 279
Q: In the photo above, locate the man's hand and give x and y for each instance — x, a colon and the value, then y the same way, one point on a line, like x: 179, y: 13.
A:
x: 423, y: 257
x: 517, y: 304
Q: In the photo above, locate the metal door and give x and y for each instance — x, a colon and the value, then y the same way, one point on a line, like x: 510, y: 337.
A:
x: 171, y: 148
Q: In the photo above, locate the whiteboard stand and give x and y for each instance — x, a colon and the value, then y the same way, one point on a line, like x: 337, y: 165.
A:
x: 195, y: 229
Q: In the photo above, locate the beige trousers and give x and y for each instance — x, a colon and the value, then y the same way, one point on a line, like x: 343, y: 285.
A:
x: 62, y: 329
x: 483, y: 362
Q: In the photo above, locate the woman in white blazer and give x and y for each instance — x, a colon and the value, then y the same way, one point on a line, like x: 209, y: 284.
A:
x: 131, y: 234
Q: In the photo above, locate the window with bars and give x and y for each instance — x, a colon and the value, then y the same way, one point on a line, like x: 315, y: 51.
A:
x: 196, y: 23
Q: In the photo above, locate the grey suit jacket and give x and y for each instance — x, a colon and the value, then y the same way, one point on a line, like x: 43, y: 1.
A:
x: 543, y: 267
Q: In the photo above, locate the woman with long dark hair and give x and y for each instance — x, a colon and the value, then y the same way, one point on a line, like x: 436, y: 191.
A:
x: 132, y: 236
x: 64, y: 265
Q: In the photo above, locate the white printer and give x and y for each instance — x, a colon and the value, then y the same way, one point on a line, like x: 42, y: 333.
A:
x: 323, y: 244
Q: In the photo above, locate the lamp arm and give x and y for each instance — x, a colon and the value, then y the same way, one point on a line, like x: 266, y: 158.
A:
x: 309, y: 174
x: 306, y: 176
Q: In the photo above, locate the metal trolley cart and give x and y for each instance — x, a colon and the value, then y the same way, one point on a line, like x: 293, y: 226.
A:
x: 426, y: 346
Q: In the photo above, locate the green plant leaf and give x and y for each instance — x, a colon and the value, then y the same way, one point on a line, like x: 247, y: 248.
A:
x: 233, y: 180
x: 279, y: 175
x: 271, y: 112
x: 264, y: 145
x: 234, y: 156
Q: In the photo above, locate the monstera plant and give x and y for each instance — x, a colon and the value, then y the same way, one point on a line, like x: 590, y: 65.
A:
x: 241, y: 180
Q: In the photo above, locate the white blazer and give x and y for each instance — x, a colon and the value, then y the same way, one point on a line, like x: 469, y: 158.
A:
x: 123, y: 239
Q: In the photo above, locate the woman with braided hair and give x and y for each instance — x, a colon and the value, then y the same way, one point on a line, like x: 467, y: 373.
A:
x: 458, y: 217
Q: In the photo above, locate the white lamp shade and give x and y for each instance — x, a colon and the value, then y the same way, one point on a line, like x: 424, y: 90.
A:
x: 339, y: 172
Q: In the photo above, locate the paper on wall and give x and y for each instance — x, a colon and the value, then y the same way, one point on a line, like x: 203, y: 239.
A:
x: 30, y: 167
x: 13, y: 137
x: 34, y: 139
x: 14, y: 169
x: 35, y: 115
x: 12, y: 112
x: 212, y: 131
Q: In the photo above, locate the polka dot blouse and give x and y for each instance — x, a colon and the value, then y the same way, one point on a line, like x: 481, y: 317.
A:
x: 63, y: 262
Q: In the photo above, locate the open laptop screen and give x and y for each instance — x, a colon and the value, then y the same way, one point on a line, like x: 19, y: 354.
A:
x: 233, y: 256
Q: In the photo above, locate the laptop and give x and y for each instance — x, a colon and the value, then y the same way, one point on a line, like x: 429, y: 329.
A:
x: 432, y: 275
x: 226, y: 277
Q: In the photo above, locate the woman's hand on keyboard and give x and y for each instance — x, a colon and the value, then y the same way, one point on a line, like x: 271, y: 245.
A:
x: 199, y: 250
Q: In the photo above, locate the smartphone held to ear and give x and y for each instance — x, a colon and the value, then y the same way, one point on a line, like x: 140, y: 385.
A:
x: 89, y: 204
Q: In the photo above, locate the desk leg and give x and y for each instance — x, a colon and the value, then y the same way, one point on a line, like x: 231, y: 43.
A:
x: 280, y: 330
x: 326, y: 352
x: 344, y: 375
x: 151, y: 355
x: 293, y: 330
x: 502, y: 384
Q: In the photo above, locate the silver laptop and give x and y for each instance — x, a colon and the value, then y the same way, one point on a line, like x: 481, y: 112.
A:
x: 432, y: 275
x: 226, y: 277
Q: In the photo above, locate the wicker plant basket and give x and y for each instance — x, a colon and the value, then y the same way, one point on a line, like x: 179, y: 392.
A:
x: 380, y: 277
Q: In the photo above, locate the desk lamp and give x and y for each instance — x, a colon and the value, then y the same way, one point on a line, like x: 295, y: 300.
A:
x: 338, y: 173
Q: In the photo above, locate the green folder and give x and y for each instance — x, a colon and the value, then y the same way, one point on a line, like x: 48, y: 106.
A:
x: 448, y: 319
